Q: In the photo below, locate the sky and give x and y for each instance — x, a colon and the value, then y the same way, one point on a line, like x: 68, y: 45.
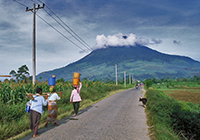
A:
x: 168, y: 26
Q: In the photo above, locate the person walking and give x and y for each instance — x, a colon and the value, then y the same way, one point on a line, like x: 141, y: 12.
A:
x: 53, y: 108
x: 76, y: 98
x: 36, y: 110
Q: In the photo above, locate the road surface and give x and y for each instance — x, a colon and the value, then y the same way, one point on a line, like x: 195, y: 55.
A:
x: 118, y: 117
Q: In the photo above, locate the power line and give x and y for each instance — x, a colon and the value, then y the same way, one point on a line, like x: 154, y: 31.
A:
x: 68, y: 27
x: 60, y: 32
x: 20, y: 3
x: 78, y: 38
x: 68, y: 31
x: 72, y: 31
x: 52, y: 27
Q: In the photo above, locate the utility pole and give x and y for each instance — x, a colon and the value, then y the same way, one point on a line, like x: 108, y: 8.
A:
x: 124, y: 78
x: 132, y: 79
x: 34, y: 53
x: 129, y: 78
x: 116, y: 73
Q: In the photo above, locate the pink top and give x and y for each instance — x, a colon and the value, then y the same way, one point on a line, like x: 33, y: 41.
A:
x: 75, y: 95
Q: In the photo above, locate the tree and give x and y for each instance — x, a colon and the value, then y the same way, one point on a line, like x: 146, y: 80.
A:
x: 61, y: 80
x: 154, y: 80
x: 196, y: 78
x: 21, y: 74
x: 148, y: 82
x: 13, y: 73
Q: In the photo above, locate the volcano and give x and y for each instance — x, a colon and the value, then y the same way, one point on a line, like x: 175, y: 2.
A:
x: 139, y: 61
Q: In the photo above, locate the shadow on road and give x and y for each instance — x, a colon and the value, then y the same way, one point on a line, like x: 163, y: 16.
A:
x: 60, y: 122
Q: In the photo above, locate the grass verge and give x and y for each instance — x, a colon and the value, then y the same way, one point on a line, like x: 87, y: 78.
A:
x: 158, y: 117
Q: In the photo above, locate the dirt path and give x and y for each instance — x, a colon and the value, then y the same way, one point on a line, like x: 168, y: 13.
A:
x: 118, y: 117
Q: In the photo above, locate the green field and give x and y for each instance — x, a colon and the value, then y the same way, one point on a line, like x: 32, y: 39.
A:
x: 185, y: 94
x: 173, y: 110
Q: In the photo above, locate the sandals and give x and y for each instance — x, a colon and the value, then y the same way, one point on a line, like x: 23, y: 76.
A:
x: 35, y: 135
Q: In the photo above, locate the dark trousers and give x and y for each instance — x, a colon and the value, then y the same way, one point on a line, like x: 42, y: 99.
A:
x: 76, y: 107
x: 35, y: 120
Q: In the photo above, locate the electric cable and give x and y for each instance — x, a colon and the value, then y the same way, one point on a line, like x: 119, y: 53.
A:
x: 60, y: 33
x: 20, y: 3
x: 67, y: 26
x: 52, y: 27
x: 78, y: 38
x: 67, y: 30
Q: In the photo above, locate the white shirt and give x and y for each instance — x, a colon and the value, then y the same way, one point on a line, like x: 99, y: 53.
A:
x: 53, y: 97
x: 37, y: 103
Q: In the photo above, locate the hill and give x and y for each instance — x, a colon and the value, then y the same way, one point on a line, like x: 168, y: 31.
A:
x: 140, y: 61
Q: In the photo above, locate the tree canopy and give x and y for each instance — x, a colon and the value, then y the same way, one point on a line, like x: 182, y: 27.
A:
x: 21, y: 74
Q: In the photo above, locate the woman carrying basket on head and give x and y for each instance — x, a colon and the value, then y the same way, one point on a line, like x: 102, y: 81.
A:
x: 76, y: 98
x: 52, y: 107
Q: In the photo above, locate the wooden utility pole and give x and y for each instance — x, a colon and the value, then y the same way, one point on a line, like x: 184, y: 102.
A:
x: 116, y: 73
x: 132, y: 79
x: 34, y: 53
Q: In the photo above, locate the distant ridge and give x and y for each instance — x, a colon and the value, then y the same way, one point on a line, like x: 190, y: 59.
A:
x: 140, y: 61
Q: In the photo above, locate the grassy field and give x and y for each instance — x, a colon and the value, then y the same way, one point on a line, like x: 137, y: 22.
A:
x: 191, y: 94
x: 173, y: 111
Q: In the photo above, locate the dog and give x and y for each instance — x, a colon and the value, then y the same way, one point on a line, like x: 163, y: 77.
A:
x: 144, y: 101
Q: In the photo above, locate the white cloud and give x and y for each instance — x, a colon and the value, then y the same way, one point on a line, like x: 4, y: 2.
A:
x: 119, y: 39
x: 156, y: 41
x: 101, y: 40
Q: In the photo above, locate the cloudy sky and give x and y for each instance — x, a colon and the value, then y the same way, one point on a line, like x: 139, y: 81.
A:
x: 168, y: 26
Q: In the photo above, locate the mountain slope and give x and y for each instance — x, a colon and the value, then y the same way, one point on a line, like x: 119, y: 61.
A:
x: 142, y: 62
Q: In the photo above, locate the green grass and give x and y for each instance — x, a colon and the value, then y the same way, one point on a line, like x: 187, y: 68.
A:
x: 158, y: 114
x: 173, y: 111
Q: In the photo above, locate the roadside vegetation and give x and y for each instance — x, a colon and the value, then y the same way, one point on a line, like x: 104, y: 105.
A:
x: 173, y: 108
x: 13, y: 118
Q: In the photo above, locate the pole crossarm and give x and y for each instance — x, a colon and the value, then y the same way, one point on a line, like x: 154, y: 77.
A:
x: 27, y: 9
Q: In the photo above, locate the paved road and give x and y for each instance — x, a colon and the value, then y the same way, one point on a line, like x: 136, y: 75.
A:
x: 118, y: 117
